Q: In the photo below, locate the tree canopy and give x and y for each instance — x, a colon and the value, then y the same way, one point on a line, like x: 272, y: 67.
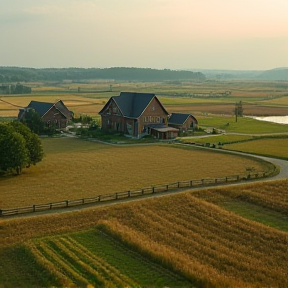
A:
x: 19, y: 147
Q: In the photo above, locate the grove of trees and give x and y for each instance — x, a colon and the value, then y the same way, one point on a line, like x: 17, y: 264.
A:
x: 17, y: 74
x: 19, y: 148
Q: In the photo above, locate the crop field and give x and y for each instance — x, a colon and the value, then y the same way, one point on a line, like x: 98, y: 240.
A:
x: 181, y: 240
x: 75, y: 169
x: 213, y: 238
x: 274, y: 147
x: 259, y: 98
x: 266, y: 203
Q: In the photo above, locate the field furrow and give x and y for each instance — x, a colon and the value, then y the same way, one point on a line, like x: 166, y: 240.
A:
x: 62, y: 264
x: 99, y: 264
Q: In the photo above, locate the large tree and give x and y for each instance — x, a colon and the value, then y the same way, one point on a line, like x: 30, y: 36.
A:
x: 33, y: 143
x: 34, y: 121
x: 19, y: 147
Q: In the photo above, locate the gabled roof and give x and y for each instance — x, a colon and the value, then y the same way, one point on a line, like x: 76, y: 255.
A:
x: 179, y: 118
x: 43, y: 107
x: 63, y: 109
x: 40, y: 107
x: 132, y: 104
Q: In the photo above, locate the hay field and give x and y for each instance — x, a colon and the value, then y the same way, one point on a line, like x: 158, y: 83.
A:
x: 75, y: 169
x: 181, y: 233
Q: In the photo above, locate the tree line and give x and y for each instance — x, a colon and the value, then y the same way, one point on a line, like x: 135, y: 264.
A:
x: 18, y: 74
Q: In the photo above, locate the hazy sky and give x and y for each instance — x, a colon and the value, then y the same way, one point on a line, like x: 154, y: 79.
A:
x: 175, y: 34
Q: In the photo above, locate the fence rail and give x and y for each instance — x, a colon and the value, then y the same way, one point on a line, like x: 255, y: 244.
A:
x: 136, y: 193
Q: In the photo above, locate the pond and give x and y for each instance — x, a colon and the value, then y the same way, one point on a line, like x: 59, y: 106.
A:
x: 274, y: 119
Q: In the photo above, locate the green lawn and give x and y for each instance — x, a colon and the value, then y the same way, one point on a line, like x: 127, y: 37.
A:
x: 273, y: 147
x: 243, y: 125
x: 257, y: 213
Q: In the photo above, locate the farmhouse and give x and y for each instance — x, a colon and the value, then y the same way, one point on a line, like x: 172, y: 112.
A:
x: 137, y: 115
x: 51, y: 113
x: 182, y: 121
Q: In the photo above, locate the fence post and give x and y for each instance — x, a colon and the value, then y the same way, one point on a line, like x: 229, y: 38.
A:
x: 67, y: 203
x: 1, y: 213
x: 202, y: 181
x: 129, y: 193
x: 215, y: 180
x: 34, y: 208
x: 142, y: 191
x: 83, y: 201
x: 167, y: 187
x: 226, y: 179
x: 191, y: 183
x: 178, y: 184
x: 50, y: 206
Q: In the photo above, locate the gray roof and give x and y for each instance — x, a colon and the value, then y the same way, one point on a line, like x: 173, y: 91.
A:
x: 132, y: 104
x: 43, y: 107
x: 179, y: 118
x: 40, y: 107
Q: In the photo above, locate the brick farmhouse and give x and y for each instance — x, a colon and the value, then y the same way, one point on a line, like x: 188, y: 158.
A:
x: 56, y: 114
x: 137, y: 115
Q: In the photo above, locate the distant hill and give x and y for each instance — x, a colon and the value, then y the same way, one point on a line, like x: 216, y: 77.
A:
x: 270, y: 75
x: 18, y: 74
x: 274, y: 74
x: 221, y: 74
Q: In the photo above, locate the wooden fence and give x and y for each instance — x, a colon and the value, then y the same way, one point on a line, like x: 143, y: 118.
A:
x: 135, y: 193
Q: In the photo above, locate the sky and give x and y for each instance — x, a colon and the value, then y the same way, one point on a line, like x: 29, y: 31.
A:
x: 161, y: 34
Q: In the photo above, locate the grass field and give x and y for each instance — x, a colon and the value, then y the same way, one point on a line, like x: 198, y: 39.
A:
x: 75, y: 169
x: 274, y: 147
x: 215, y: 139
x: 244, y: 125
x: 182, y: 240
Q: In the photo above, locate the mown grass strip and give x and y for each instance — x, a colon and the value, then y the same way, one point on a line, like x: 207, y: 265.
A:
x: 256, y: 213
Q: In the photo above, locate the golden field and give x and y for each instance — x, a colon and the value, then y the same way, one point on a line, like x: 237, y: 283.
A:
x: 198, y: 240
x: 75, y: 169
